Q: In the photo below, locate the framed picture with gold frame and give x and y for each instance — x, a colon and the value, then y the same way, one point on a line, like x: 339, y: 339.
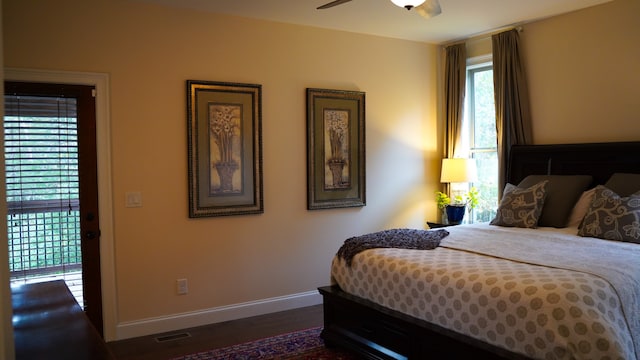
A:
x: 225, y: 148
x: 335, y: 149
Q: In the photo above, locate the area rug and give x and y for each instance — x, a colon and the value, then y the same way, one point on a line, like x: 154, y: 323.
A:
x: 304, y: 344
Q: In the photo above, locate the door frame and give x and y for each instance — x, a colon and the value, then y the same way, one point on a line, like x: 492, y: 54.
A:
x: 105, y: 192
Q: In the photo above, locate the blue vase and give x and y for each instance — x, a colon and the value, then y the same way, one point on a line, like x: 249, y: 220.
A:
x: 455, y: 214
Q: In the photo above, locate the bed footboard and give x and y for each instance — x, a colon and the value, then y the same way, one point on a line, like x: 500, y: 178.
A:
x: 376, y: 332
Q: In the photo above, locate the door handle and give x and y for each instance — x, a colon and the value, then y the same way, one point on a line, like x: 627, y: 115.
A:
x: 92, y: 234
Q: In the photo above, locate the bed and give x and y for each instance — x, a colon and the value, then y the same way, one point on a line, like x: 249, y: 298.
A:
x: 505, y: 291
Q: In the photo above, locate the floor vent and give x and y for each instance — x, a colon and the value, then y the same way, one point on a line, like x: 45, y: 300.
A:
x: 173, y: 337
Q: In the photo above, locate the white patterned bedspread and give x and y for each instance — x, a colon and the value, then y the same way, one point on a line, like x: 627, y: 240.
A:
x: 545, y: 293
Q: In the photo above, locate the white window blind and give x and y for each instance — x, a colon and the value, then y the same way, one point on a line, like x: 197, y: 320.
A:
x: 41, y: 163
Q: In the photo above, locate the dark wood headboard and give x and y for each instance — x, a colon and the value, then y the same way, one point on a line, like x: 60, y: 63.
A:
x: 597, y: 159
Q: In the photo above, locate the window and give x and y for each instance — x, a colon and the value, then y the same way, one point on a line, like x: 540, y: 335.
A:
x: 479, y: 136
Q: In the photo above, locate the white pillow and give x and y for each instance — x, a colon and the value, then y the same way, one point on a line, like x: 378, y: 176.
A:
x: 580, y: 208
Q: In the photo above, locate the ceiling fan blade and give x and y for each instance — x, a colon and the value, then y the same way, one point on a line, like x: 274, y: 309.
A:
x: 428, y: 9
x: 332, y: 4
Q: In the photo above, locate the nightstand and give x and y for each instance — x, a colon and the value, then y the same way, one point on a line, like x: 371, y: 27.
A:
x: 433, y: 225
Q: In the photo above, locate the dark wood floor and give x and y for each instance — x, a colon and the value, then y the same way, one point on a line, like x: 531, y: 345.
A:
x: 216, y: 335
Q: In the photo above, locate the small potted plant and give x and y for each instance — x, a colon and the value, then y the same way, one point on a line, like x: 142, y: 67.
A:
x: 455, y: 209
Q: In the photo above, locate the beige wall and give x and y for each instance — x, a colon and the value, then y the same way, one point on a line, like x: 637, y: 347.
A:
x: 581, y: 69
x: 149, y: 51
x: 583, y: 74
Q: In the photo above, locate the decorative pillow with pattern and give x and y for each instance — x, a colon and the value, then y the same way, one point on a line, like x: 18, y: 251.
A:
x: 612, y: 217
x: 521, y: 207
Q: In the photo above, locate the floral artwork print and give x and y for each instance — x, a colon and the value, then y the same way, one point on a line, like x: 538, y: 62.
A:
x: 336, y: 149
x: 224, y: 148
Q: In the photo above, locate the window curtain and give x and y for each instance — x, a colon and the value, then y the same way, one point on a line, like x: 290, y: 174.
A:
x: 454, y: 87
x: 513, y: 117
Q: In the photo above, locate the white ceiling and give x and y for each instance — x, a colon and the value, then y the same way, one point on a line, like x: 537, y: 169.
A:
x: 459, y: 19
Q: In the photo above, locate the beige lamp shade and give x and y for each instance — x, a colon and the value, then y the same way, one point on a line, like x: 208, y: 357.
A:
x: 458, y: 171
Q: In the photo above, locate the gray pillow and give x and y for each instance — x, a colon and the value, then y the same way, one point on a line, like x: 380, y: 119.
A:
x: 623, y: 184
x: 563, y: 191
x: 612, y: 217
x: 520, y: 207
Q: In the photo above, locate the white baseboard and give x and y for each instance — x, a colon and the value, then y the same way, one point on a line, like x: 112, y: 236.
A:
x: 156, y: 325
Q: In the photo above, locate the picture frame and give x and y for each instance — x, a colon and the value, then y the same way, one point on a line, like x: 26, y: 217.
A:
x: 224, y: 148
x: 335, y: 149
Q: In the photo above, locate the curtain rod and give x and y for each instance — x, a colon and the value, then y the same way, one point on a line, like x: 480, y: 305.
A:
x: 484, y: 35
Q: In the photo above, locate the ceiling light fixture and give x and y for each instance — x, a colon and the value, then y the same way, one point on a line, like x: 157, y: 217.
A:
x: 408, y: 4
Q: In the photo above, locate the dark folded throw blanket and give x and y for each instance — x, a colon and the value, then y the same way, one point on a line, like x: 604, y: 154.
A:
x: 394, y: 238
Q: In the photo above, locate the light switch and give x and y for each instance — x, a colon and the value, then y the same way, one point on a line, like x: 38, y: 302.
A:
x: 134, y: 199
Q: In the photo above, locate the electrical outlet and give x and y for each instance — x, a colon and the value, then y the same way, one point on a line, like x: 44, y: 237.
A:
x: 182, y: 287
